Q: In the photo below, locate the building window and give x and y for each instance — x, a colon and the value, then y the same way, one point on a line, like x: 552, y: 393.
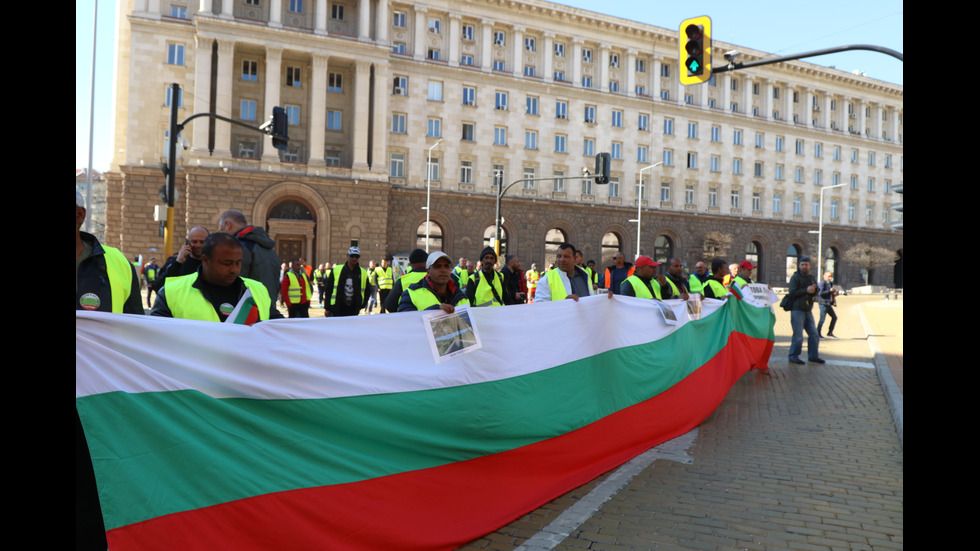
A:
x: 467, y: 32
x: 559, y: 182
x: 664, y: 192
x: 614, y: 187
x: 716, y: 133
x: 736, y: 166
x: 469, y: 132
x: 715, y: 163
x: 498, y: 176
x: 777, y: 204
x: 334, y: 120
x: 293, y: 77
x: 778, y: 172
x: 559, y: 49
x: 398, y: 19
x: 641, y: 154
x: 641, y: 66
x: 617, y: 118
x: 296, y: 6
x: 668, y: 127
x: 530, y: 44
x: 587, y: 55
x: 247, y: 110
x: 435, y: 90
x: 692, y: 130
x: 779, y: 144
x: 668, y: 157
x: 500, y: 101
x: 250, y: 70
x: 590, y: 114
x: 737, y: 137
x: 466, y: 60
x: 616, y: 150
x: 530, y: 139
x: 398, y: 123
x: 469, y: 95
x: 400, y: 86
x: 529, y: 177
x: 532, y: 105
x: 337, y: 12
x: 560, y: 143
x: 643, y: 122
x: 756, y: 201
x: 561, y: 109
x: 759, y: 171
x: 689, y: 193
x: 434, y: 128
x: 559, y: 76
x: 713, y: 197
x: 586, y: 82
x: 178, y: 12
x: 292, y: 115
x: 433, y: 54
x: 588, y: 147
x: 168, y: 95
x: 692, y: 160
x: 435, y: 25
x: 399, y: 48
x: 432, y: 169
x: 499, y: 38
x: 498, y: 65
x: 499, y: 135
x: 175, y: 54
x: 760, y: 141
x: 736, y: 198
x: 466, y: 172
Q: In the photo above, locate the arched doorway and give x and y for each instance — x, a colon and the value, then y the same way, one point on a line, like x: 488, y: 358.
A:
x: 612, y: 243
x: 831, y: 257
x: 552, y: 240
x: 488, y: 235
x: 753, y: 253
x: 434, y: 237
x: 793, y: 254
x: 294, y: 226
x: 663, y: 249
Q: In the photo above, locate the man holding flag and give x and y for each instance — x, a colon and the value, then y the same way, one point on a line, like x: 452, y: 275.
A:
x: 216, y: 292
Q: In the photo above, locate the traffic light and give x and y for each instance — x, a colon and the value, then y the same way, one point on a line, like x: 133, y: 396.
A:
x: 602, y: 164
x: 695, y: 50
x: 280, y: 128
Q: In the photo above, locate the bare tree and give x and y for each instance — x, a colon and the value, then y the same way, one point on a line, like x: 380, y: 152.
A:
x: 868, y: 257
x: 716, y: 245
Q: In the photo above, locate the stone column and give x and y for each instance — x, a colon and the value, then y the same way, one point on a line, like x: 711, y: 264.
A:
x: 359, y: 119
x: 318, y: 108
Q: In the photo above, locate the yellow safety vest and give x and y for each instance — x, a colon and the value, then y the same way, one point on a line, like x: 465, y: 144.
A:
x: 187, y: 302
x: 718, y: 289
x: 423, y: 298
x: 484, y: 293
x: 640, y: 289
x: 385, y: 279
x: 336, y: 283
x: 557, y: 287
x: 120, y: 277
x: 295, y: 291
x: 695, y: 283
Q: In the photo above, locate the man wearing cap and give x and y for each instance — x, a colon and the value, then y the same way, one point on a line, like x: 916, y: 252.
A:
x: 416, y: 260
x: 213, y: 292
x: 643, y: 284
x: 802, y: 292
x: 486, y: 287
x: 744, y: 275
x: 297, y: 290
x: 436, y: 291
x: 566, y: 280
x: 348, y: 286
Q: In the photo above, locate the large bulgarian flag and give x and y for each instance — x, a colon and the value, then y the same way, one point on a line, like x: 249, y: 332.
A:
x: 345, y: 434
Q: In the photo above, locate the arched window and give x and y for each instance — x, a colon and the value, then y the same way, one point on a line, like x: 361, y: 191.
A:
x: 291, y: 210
x: 552, y: 239
x: 435, y: 237
x: 830, y: 258
x: 488, y: 235
x: 663, y: 249
x: 792, y: 257
x: 611, y: 244
x: 754, y: 255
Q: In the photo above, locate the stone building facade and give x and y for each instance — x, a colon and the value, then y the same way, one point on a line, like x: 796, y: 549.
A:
x: 387, y: 99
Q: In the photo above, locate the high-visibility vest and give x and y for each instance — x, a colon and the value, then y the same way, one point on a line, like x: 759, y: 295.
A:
x: 423, y: 298
x: 673, y: 287
x: 295, y: 291
x: 317, y: 276
x: 187, y: 302
x: 532, y: 279
x: 337, y: 283
x: 556, y: 285
x: 741, y: 281
x: 640, y: 290
x: 717, y: 288
x: 695, y: 283
x: 411, y: 278
x: 385, y: 279
x: 484, y: 293
x: 120, y: 277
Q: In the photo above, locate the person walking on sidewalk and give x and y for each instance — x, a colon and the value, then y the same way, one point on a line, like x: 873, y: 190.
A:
x: 802, y: 291
x: 827, y: 298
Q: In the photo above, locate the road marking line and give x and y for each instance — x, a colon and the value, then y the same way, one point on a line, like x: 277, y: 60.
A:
x: 573, y: 517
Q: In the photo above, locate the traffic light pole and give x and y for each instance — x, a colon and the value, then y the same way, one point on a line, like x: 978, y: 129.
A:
x: 171, y: 169
x: 733, y: 65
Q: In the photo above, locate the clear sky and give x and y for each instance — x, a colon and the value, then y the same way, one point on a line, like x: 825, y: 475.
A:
x: 774, y: 26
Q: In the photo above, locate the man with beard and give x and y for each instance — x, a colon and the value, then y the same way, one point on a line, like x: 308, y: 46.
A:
x: 679, y: 285
x: 486, y: 287
x: 802, y: 292
x: 436, y: 291
x: 348, y: 286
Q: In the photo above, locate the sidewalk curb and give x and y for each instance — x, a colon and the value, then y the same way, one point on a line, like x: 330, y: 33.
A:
x: 892, y: 394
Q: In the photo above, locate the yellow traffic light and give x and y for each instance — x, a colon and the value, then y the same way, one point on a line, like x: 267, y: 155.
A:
x: 695, y: 50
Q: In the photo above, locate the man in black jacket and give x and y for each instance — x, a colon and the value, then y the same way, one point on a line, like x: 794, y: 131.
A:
x: 802, y: 291
x: 512, y: 280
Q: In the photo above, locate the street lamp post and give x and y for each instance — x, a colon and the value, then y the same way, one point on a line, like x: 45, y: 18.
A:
x: 820, y: 231
x: 428, y: 191
x: 639, y: 206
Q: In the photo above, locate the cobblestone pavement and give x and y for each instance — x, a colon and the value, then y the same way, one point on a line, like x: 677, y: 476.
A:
x: 796, y: 457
